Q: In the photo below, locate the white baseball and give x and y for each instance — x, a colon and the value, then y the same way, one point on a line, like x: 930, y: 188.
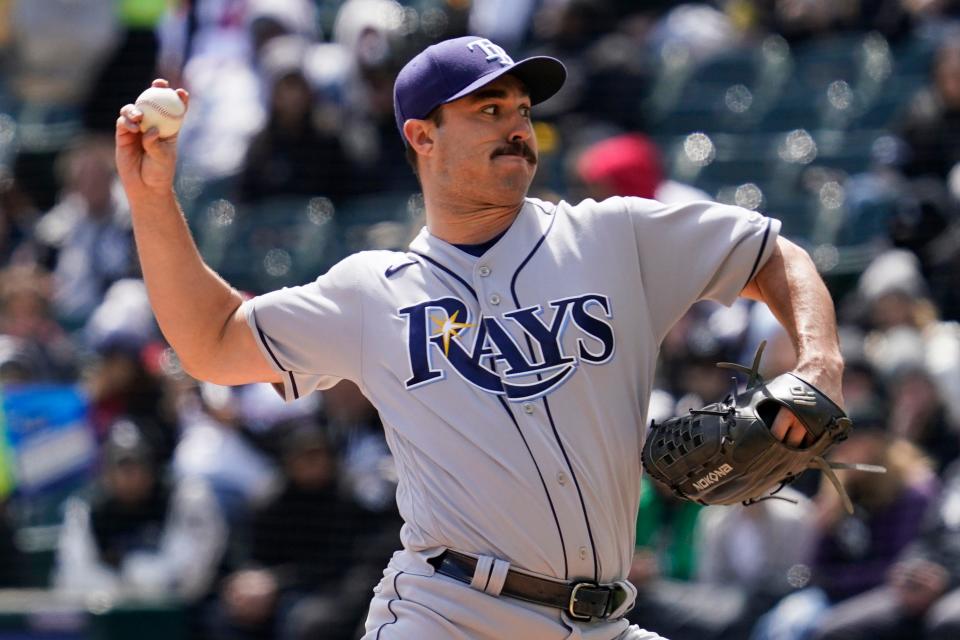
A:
x: 162, y: 108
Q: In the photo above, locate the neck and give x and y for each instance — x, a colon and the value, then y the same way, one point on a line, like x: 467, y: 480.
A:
x: 467, y: 223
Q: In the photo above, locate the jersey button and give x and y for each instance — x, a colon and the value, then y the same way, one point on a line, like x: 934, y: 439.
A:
x: 562, y: 477
x: 494, y: 299
x: 583, y: 553
x: 528, y: 407
x: 484, y: 271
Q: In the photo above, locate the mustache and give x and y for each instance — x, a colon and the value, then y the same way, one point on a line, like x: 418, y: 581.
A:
x: 516, y: 148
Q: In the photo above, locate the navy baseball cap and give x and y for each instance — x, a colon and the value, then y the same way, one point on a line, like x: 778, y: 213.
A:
x: 451, y: 69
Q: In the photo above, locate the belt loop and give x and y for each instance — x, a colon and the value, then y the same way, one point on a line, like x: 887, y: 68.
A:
x: 498, y: 577
x: 629, y: 599
x: 481, y: 575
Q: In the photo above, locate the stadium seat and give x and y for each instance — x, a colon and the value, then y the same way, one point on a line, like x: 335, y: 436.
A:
x: 728, y: 92
x: 382, y: 221
x: 833, y: 80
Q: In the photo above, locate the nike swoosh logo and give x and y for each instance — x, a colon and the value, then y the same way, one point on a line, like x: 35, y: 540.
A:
x: 392, y: 270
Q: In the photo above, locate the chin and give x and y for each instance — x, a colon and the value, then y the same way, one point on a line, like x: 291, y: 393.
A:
x: 517, y: 173
x: 514, y: 187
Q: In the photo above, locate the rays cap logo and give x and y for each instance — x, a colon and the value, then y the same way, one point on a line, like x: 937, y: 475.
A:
x: 452, y: 69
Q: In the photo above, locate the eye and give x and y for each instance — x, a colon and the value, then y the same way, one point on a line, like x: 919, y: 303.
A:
x: 490, y: 110
x: 525, y: 111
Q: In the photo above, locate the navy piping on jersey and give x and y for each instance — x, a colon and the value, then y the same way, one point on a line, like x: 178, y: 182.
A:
x: 391, y: 271
x: 576, y: 483
x: 293, y: 382
x: 390, y: 606
x: 506, y: 407
x: 450, y: 272
x: 553, y: 509
x: 540, y: 206
x: 553, y: 425
x: 763, y: 245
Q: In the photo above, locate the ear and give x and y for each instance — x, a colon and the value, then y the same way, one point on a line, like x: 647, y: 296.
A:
x: 419, y: 135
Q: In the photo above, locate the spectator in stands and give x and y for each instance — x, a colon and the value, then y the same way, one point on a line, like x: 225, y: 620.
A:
x: 120, y: 382
x: 800, y: 21
x: 691, y: 350
x: 505, y: 22
x: 26, y: 314
x: 130, y: 67
x: 931, y: 127
x: 919, y: 415
x: 366, y: 464
x: 18, y: 216
x: 88, y: 233
x: 609, y: 68
x: 137, y: 536
x: 292, y: 155
x: 311, y: 561
x: 762, y: 551
x: 699, y: 29
x: 854, y: 552
x: 663, y: 566
x: 630, y: 165
x: 12, y: 562
x: 229, y: 438
x: 920, y: 596
x: 936, y: 16
x: 214, y: 48
x: 53, y: 50
x: 370, y: 49
x: 905, y: 329
x: 22, y: 362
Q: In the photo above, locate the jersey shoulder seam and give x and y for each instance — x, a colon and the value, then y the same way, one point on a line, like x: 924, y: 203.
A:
x: 540, y: 205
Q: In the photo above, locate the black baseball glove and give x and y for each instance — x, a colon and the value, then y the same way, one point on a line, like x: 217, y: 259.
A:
x: 725, y: 453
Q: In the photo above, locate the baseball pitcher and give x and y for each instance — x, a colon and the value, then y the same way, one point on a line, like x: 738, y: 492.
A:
x: 510, y: 350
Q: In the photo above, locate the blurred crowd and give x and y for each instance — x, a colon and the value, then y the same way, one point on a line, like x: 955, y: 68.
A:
x: 269, y: 520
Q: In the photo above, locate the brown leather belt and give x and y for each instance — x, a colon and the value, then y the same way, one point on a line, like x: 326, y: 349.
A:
x: 582, y: 600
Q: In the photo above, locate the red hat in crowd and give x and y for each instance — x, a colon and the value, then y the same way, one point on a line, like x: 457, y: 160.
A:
x: 628, y: 165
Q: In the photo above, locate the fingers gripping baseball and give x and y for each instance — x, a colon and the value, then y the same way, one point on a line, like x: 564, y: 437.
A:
x: 146, y: 162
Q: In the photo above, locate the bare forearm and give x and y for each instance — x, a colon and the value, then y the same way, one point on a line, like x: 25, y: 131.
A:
x: 790, y: 285
x: 191, y: 302
x: 196, y: 309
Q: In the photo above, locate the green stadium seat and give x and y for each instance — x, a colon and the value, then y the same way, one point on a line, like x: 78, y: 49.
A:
x: 381, y: 221
x: 834, y: 80
x: 261, y: 247
x: 727, y: 92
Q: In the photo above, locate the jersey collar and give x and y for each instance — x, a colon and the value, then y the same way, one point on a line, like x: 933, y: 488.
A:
x: 510, y: 251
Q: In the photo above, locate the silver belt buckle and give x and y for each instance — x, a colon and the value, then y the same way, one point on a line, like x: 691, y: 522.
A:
x: 573, y: 601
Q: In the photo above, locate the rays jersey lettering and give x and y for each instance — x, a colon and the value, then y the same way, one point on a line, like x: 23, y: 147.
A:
x: 440, y: 330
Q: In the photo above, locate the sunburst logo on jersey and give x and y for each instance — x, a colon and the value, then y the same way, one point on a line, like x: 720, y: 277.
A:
x: 449, y: 328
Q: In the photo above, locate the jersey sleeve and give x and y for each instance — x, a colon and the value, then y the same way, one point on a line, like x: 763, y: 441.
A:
x: 311, y: 334
x: 697, y: 251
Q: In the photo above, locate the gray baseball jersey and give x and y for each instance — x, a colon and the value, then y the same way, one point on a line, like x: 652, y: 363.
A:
x: 513, y: 386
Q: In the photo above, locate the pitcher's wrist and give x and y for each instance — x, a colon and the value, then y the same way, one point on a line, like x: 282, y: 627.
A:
x: 145, y: 199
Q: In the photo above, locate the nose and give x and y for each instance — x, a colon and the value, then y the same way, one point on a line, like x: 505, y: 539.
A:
x: 520, y: 129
